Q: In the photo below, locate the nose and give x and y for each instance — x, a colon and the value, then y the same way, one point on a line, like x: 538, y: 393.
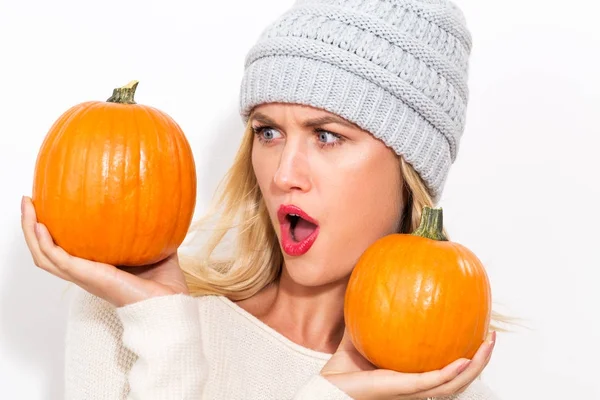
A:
x: 293, y: 172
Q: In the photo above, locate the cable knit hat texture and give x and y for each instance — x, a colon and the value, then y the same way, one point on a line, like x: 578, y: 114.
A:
x: 396, y: 68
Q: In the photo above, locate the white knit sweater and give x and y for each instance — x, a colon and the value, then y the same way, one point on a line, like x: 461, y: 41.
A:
x: 181, y: 347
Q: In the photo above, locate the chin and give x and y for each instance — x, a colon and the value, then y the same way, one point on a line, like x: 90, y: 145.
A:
x: 310, y: 273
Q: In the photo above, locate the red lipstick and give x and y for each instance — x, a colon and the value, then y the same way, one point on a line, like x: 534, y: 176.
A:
x: 291, y: 216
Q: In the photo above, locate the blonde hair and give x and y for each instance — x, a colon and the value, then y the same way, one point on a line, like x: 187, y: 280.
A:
x: 254, y: 259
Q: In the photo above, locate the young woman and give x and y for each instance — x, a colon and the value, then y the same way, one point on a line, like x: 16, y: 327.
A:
x: 354, y: 110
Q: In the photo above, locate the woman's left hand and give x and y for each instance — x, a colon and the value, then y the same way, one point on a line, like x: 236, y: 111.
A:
x: 356, y: 376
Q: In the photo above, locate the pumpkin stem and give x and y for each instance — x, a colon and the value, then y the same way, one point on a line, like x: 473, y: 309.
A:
x: 432, y: 224
x: 124, y: 94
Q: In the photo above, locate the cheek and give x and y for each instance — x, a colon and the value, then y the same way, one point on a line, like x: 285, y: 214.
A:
x: 369, y: 210
x: 370, y: 201
x: 372, y: 213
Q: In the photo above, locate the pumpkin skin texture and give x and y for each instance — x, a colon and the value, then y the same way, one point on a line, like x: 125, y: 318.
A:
x: 115, y: 182
x: 415, y: 304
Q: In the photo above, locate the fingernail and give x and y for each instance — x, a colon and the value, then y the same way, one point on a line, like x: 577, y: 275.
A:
x: 491, y: 337
x: 463, y: 366
x: 22, y: 204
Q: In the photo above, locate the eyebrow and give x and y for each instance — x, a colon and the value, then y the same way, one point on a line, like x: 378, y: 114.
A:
x: 310, y: 123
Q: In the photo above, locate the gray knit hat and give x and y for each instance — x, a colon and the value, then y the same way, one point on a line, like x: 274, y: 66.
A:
x: 396, y: 68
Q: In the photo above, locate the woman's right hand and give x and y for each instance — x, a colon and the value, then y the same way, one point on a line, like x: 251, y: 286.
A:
x: 117, y: 286
x: 361, y: 380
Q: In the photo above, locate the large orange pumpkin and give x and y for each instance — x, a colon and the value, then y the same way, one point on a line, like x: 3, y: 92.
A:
x: 115, y: 181
x: 417, y: 302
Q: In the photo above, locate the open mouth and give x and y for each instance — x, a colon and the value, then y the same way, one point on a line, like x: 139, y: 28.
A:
x: 300, y: 228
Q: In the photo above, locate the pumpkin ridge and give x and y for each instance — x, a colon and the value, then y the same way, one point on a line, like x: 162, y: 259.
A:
x: 144, y: 181
x: 183, y: 148
x: 158, y: 189
x: 391, y: 322
x: 136, y: 152
x: 65, y: 132
x: 106, y: 177
x: 173, y: 142
x: 84, y: 180
x: 41, y: 191
x: 477, y: 271
x: 127, y: 240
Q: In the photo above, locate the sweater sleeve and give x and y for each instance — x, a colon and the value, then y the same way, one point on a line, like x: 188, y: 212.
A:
x: 319, y: 388
x: 96, y: 363
x: 165, y: 335
x: 149, y: 350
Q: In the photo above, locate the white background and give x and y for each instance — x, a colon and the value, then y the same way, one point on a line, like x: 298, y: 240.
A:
x: 523, y: 195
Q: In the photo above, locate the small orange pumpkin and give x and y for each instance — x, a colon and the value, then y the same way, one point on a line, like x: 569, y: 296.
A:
x: 417, y: 302
x: 115, y: 181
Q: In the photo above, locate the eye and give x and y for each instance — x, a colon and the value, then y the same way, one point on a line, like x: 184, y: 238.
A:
x: 327, y: 137
x: 266, y: 133
x: 270, y: 133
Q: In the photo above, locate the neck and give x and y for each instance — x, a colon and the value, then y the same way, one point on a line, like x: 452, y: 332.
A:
x: 313, y: 317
